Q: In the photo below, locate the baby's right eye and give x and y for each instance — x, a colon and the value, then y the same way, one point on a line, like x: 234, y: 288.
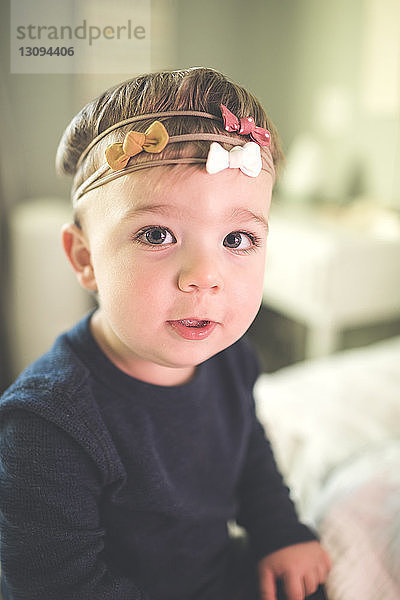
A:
x: 155, y: 236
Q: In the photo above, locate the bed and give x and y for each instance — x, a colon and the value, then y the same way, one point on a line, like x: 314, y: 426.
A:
x: 334, y: 423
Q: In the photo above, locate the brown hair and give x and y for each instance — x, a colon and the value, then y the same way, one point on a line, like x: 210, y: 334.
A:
x: 201, y: 89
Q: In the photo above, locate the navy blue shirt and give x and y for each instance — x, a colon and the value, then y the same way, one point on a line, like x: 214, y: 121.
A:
x: 116, y: 489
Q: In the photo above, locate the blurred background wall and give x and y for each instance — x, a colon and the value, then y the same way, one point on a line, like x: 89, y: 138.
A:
x: 328, y: 75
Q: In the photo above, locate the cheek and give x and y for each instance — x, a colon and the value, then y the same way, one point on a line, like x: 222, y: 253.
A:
x: 247, y: 291
x: 246, y: 305
x: 126, y: 282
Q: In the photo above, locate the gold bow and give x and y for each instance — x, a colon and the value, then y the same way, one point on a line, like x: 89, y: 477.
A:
x: 154, y: 139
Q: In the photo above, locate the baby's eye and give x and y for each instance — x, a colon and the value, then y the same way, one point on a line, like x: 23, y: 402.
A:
x: 239, y: 240
x: 156, y: 236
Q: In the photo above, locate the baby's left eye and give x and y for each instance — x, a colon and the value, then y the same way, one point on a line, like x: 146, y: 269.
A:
x: 238, y: 240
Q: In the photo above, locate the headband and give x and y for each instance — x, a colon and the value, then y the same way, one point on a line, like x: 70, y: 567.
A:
x: 171, y: 113
x: 156, y: 137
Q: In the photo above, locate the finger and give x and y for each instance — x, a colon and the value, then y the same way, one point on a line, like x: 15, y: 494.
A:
x: 294, y: 586
x: 268, y: 585
x: 327, y: 561
x: 311, y: 582
x: 323, y: 569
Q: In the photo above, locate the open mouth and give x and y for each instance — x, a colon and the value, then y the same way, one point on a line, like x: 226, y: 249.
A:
x: 194, y: 323
x: 193, y: 329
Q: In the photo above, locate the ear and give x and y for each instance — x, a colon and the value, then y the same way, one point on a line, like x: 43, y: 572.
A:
x: 77, y: 249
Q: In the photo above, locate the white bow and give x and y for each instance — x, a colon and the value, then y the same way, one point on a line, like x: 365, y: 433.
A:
x: 247, y: 158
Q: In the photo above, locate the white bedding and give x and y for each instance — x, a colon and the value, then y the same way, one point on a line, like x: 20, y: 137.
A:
x: 335, y: 427
x: 358, y: 518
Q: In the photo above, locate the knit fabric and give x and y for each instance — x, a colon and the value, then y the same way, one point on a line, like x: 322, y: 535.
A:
x: 116, y: 489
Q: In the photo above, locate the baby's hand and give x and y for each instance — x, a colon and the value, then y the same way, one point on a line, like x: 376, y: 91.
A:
x: 301, y: 567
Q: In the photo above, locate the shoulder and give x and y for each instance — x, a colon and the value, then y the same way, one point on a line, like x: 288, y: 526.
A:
x: 55, y: 394
x: 48, y: 383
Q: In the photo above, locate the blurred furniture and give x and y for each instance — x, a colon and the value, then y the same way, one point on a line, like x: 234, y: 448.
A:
x: 334, y: 423
x: 45, y: 297
x: 331, y: 274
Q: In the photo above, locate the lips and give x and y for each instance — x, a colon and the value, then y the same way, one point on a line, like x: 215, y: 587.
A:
x: 193, y: 328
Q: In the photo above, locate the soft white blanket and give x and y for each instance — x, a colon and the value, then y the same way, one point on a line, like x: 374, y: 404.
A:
x: 335, y: 427
x: 358, y: 518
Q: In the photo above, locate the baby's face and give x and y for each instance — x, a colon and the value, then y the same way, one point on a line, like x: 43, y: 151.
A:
x: 179, y: 266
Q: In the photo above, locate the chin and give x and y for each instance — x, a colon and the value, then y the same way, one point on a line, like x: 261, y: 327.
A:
x: 197, y: 352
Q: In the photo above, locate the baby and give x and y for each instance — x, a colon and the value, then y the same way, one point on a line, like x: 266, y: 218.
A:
x: 128, y: 448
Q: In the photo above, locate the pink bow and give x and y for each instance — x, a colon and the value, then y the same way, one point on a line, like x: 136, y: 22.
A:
x: 245, y: 126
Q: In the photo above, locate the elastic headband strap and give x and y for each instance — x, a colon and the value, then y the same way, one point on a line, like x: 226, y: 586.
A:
x: 171, y: 113
x: 186, y: 137
x: 96, y: 179
x: 145, y: 165
x: 136, y: 167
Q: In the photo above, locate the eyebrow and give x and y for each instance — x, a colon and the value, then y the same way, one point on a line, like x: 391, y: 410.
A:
x: 245, y: 213
x: 161, y: 209
x: 165, y: 209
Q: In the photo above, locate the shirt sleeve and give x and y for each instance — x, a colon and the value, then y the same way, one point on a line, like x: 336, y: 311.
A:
x: 266, y: 510
x: 52, y: 540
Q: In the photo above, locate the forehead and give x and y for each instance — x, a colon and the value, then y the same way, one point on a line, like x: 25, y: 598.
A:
x: 188, y: 192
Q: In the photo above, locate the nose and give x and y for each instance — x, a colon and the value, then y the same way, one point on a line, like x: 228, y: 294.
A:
x: 200, y: 271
